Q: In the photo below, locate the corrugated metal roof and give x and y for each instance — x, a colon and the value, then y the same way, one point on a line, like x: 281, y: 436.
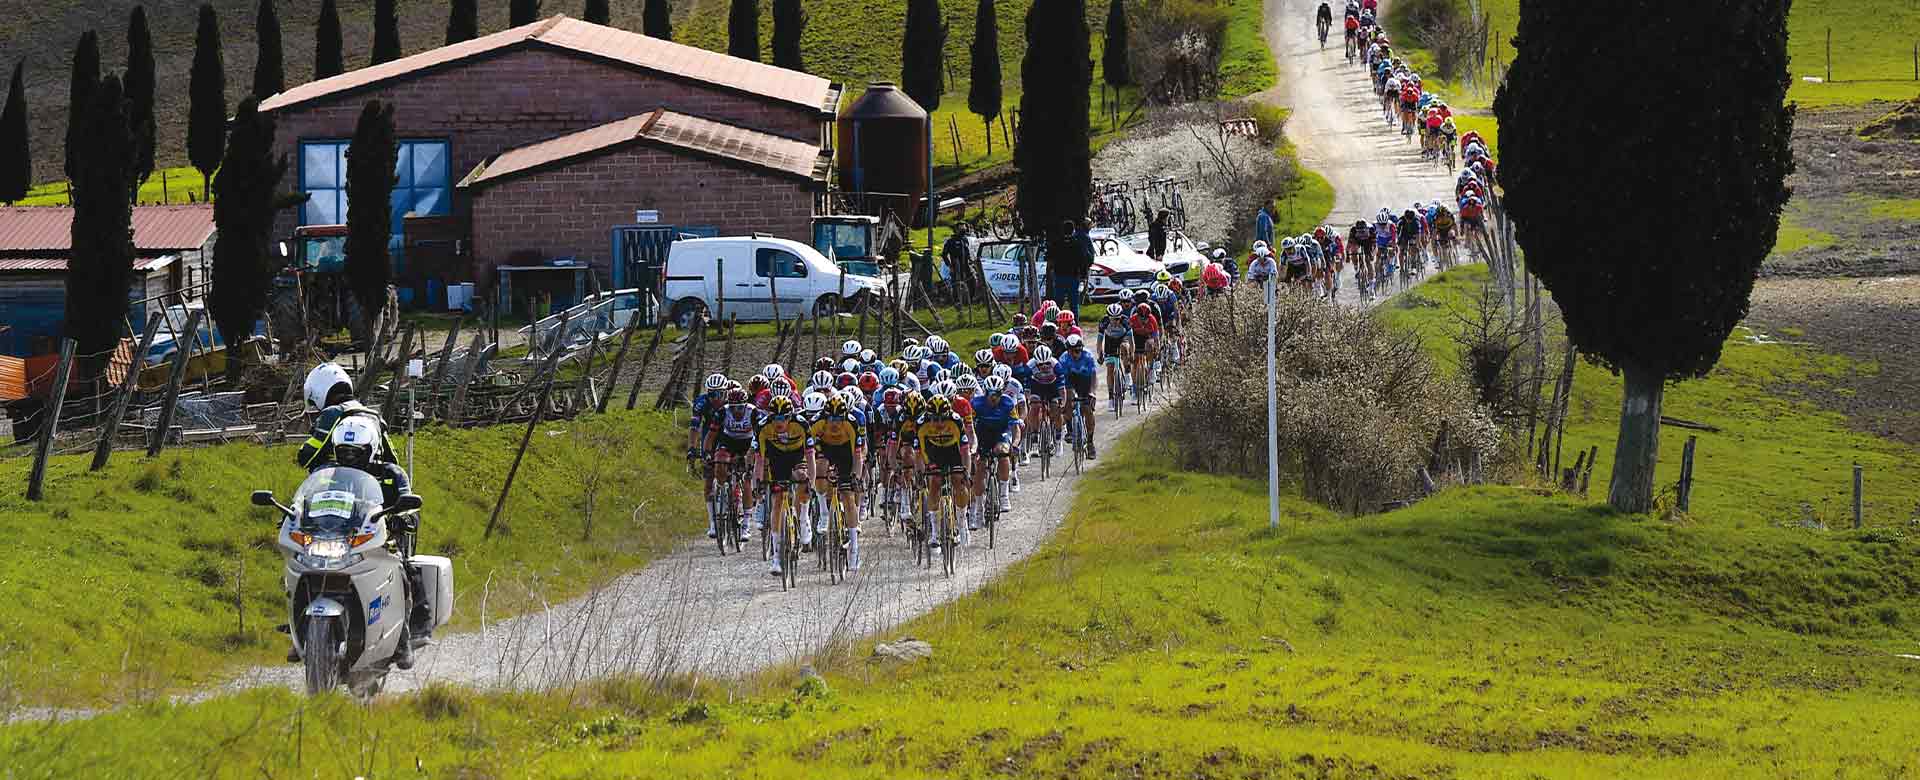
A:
x: 19, y: 265
x: 573, y: 35
x: 155, y: 228
x: 752, y: 147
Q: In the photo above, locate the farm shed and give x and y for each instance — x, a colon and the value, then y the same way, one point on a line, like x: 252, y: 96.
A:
x: 554, y: 91
x: 172, y: 248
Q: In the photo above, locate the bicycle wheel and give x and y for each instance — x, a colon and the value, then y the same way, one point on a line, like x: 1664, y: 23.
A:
x: 836, y: 530
x: 992, y: 512
x: 766, y: 532
x: 789, y: 551
x: 1077, y: 431
x: 1046, y: 445
x: 948, y: 538
x: 719, y: 506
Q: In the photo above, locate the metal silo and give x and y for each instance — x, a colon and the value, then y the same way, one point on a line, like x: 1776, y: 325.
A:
x: 883, y: 152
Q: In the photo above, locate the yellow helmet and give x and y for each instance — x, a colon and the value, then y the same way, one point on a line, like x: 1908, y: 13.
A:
x: 780, y: 405
x: 939, y: 406
x: 837, y: 406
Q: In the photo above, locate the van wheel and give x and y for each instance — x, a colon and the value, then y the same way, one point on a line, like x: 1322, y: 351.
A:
x: 826, y: 306
x: 684, y: 311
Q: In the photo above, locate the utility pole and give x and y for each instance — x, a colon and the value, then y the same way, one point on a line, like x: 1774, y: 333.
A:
x: 1273, y: 410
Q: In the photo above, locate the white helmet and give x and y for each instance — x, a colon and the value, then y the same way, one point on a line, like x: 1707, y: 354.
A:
x: 815, y: 401
x: 942, y: 375
x: 321, y: 382
x: 994, y: 385
x: 1042, y: 354
x: 937, y: 344
x: 716, y: 381
x: 1003, y: 371
x: 773, y: 371
x: 1114, y: 310
x: 868, y: 356
x: 355, y: 439
x: 850, y: 365
x: 821, y: 379
x: 1259, y: 245
x: 1219, y: 254
x: 966, y: 384
x: 850, y: 348
x: 997, y: 340
x: 983, y: 356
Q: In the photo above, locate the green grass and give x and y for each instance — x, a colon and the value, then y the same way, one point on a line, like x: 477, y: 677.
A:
x: 1796, y: 233
x: 1898, y: 209
x: 1164, y: 632
x: 170, y: 185
x: 121, y: 584
x: 1246, y: 65
x: 1487, y: 126
x: 1776, y: 452
x: 1307, y: 209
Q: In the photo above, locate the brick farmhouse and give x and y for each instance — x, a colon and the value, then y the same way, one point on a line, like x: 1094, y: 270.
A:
x: 540, y: 140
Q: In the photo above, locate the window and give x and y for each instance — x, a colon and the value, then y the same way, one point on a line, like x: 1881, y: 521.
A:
x: 785, y: 265
x: 422, y: 183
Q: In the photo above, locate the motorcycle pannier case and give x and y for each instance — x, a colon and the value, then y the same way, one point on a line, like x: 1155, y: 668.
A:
x: 436, y: 577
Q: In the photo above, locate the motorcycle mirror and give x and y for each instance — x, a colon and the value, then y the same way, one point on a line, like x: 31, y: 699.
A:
x: 264, y: 498
x: 407, y: 503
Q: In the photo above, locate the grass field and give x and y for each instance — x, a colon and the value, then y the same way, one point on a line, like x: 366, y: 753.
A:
x: 1777, y: 459
x: 123, y: 583
x: 168, y: 185
x: 1165, y: 632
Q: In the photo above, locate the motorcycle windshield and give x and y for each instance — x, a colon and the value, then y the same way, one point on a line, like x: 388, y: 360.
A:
x: 336, y: 501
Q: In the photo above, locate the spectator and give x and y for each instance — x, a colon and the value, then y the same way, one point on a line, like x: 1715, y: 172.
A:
x: 1067, y: 262
x: 959, y: 261
x: 1263, y: 226
x: 1157, y: 236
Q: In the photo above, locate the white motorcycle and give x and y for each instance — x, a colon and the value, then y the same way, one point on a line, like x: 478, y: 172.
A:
x: 351, y: 605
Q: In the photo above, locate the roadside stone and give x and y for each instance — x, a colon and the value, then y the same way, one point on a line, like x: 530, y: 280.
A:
x: 906, y: 650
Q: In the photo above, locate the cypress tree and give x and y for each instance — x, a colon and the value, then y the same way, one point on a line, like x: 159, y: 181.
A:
x: 139, y: 84
x: 656, y: 19
x: 16, y: 158
x: 269, y: 68
x: 463, y: 21
x: 521, y: 12
x: 1651, y: 269
x: 743, y: 29
x: 1114, y: 65
x: 983, y: 89
x: 86, y: 76
x: 100, y: 269
x: 386, y: 32
x: 597, y: 12
x: 328, y: 59
x: 920, y: 73
x: 1051, y: 150
x: 248, y: 187
x: 207, y: 93
x: 789, y: 22
x: 370, y: 161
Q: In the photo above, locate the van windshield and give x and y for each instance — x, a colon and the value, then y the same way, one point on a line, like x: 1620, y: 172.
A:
x: 780, y: 263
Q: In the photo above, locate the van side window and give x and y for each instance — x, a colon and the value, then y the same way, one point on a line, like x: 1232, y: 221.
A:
x: 780, y: 263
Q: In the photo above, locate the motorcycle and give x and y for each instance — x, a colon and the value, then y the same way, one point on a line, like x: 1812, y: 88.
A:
x: 357, y: 605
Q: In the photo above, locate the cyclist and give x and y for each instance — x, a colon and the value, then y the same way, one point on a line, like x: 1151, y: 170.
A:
x: 839, y: 437
x: 1044, y: 383
x: 703, y: 405
x: 780, y: 443
x: 1146, y: 335
x: 1323, y: 20
x: 1168, y: 302
x: 995, y: 417
x: 944, y: 448
x: 1116, y: 349
x: 1409, y: 239
x: 1077, y: 368
x: 1214, y: 279
x: 729, y: 428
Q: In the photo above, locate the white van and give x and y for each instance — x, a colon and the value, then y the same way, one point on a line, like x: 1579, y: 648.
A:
x: 752, y: 269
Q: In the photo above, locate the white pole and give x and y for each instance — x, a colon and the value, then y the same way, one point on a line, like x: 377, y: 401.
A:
x: 1273, y: 409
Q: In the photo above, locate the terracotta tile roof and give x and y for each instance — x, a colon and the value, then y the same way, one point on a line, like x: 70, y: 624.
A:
x: 20, y: 265
x: 572, y: 35
x: 156, y: 229
x: 662, y: 128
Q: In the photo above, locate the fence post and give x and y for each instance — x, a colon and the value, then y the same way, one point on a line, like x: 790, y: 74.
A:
x: 399, y: 374
x: 174, y: 378
x: 43, y: 441
x: 446, y: 356
x: 124, y: 396
x: 540, y: 406
x: 619, y: 359
x: 1829, y: 55
x: 646, y: 362
x: 459, y: 404
x: 1857, y: 491
x: 720, y: 288
x: 1686, y: 474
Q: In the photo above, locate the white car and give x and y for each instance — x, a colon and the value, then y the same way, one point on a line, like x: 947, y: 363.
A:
x: 1117, y: 267
x: 740, y: 275
x: 1185, y: 256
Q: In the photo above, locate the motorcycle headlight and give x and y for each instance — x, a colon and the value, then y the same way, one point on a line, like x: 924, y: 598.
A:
x: 331, y: 552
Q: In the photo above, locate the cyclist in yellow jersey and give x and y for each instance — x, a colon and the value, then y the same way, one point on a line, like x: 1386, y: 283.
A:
x: 910, y: 429
x: 944, y: 448
x: 781, y: 444
x: 840, y: 442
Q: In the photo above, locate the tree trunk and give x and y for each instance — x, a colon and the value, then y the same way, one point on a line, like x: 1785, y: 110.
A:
x: 1638, y: 448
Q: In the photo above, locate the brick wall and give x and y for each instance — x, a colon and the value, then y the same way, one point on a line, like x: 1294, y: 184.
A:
x: 570, y: 210
x: 483, y: 108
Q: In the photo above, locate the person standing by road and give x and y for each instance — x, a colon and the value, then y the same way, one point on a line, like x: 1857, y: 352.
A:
x: 1157, y: 236
x: 959, y: 261
x: 1067, y: 263
x: 1263, y: 226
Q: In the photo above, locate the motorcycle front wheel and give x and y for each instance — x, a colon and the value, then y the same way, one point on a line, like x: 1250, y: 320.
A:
x: 321, y: 654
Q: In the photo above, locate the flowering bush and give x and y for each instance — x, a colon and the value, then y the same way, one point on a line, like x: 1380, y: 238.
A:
x: 1362, y: 414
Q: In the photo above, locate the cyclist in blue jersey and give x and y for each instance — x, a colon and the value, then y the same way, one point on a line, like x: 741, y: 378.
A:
x: 1077, y: 369
x: 996, y: 415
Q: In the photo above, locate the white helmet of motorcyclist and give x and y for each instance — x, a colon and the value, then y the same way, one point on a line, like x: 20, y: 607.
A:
x: 322, y: 381
x: 355, y: 439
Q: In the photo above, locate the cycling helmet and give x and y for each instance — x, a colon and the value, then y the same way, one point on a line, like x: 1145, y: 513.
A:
x: 937, y: 344
x: 845, y: 380
x: 869, y: 382
x: 835, y: 405
x: 993, y: 386
x: 1075, y: 342
x: 983, y: 356
x: 889, y: 376
x: 780, y: 406
x: 1049, y: 330
x: 716, y: 381
x: 823, y: 364
x: 355, y: 439
x: 850, y: 365
x: 1003, y: 371
x: 1042, y: 354
x: 325, y: 385
x: 1143, y: 310
x: 1162, y: 291
x: 1164, y: 275
x: 1065, y: 319
x: 869, y: 356
x: 816, y: 401
x: 892, y: 396
x: 855, y: 398
x: 939, y: 405
x: 1029, y: 333
x: 996, y: 341
x: 968, y: 383
x: 781, y: 386
x: 1114, y: 310
x: 898, y: 365
x: 820, y: 379
x: 736, y: 396
x: 943, y: 388
x: 757, y: 383
x: 909, y: 343
x: 1259, y: 245
x: 942, y: 375
x: 911, y: 383
x: 850, y: 349
x: 733, y: 385
x: 773, y: 371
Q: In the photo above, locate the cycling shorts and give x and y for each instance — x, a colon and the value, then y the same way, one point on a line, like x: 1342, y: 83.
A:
x: 1047, y: 393
x: 738, y: 448
x: 1140, y: 341
x: 1296, y: 272
x: 1111, y: 359
x: 1082, y: 384
x: 787, y: 466
x: 1407, y: 239
x: 988, y: 437
x: 944, y: 459
x: 841, y: 459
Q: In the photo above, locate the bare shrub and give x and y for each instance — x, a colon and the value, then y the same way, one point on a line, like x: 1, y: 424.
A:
x: 1362, y: 410
x: 1236, y: 173
x: 1457, y: 39
x: 1176, y: 49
